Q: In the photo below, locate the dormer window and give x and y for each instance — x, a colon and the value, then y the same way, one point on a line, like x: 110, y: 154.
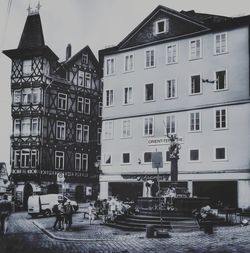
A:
x: 85, y: 59
x: 27, y: 67
x: 161, y: 26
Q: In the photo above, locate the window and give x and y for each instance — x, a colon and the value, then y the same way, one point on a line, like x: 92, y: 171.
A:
x: 149, y: 92
x: 36, y: 96
x: 167, y: 157
x: 170, y: 124
x: 34, y: 127
x: 148, y: 126
x: 78, y: 161
x: 59, y: 160
x: 84, y: 162
x: 195, y: 49
x: 147, y: 157
x: 108, y: 130
x: 107, y: 159
x: 110, y: 66
x: 26, y: 96
x: 25, y: 158
x: 195, y: 84
x: 126, y: 128
x: 99, y: 135
x: 87, y: 80
x: 149, y: 58
x: 171, y: 89
x: 220, y: 43
x: 62, y: 101
x: 109, y: 97
x: 171, y: 54
x: 87, y: 106
x: 129, y: 62
x: 85, y: 134
x: 17, y: 97
x: 125, y: 158
x: 220, y: 118
x: 194, y: 155
x: 220, y: 153
x: 161, y: 26
x: 221, y: 80
x: 25, y: 126
x: 27, y: 67
x: 17, y: 156
x: 17, y: 127
x: 85, y: 59
x: 128, y: 96
x: 80, y: 103
x: 34, y: 158
x: 80, y: 78
x: 79, y: 132
x: 194, y: 121
x: 60, y: 130
x: 100, y: 109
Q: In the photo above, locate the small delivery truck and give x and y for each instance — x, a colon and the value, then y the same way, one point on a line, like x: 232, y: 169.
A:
x: 43, y: 204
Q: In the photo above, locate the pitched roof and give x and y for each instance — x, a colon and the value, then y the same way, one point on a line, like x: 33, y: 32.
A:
x: 32, y: 36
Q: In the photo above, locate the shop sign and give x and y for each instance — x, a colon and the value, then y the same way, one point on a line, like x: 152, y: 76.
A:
x: 162, y: 141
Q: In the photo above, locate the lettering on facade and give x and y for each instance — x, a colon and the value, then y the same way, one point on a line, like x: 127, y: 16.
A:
x: 162, y: 141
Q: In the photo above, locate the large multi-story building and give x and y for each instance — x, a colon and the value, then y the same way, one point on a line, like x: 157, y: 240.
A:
x: 56, y: 112
x: 183, y: 73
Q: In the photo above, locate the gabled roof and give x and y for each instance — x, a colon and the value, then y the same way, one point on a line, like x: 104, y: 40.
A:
x: 32, y: 36
x: 75, y: 57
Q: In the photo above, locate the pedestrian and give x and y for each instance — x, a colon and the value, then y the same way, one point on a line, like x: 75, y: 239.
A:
x: 68, y: 215
x: 57, y: 211
x: 91, y: 212
x: 5, y: 211
x: 105, y: 209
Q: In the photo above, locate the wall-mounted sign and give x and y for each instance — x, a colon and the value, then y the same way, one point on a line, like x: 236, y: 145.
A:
x: 157, y: 160
x: 162, y: 141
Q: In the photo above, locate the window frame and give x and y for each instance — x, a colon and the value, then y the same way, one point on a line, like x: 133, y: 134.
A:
x: 190, y: 85
x: 15, y: 102
x: 189, y: 122
x: 64, y: 104
x: 129, y: 99
x: 153, y: 99
x: 143, y: 155
x: 17, y: 127
x: 152, y: 49
x: 79, y: 129
x: 87, y: 106
x: 122, y: 158
x: 166, y: 88
x: 170, y: 115
x: 153, y: 130
x: 26, y: 67
x: 215, y: 118
x: 220, y: 47
x: 108, y: 134
x: 226, y: 80
x: 59, y: 129
x: 226, y: 154
x: 57, y: 156
x: 122, y: 129
x: 107, y: 102
x: 171, y: 53
x: 103, y: 159
x: 190, y: 49
x: 165, y: 25
x: 131, y: 69
x: 189, y: 155
x: 85, y: 131
x: 112, y: 68
x: 80, y: 104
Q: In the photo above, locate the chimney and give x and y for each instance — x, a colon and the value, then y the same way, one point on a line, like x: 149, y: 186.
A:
x: 68, y: 52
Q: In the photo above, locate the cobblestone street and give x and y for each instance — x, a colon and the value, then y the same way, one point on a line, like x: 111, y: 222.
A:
x: 24, y: 236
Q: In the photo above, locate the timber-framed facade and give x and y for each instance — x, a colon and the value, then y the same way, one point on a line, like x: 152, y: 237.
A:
x: 56, y: 111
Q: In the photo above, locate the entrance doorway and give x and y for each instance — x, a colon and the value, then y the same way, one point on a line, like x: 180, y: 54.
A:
x: 224, y: 191
x: 27, y: 191
x: 126, y: 191
x: 79, y: 193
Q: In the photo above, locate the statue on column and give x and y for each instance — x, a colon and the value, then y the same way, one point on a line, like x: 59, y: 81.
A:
x: 174, y: 150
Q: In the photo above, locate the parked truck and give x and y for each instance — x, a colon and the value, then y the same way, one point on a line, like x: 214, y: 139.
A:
x: 43, y: 204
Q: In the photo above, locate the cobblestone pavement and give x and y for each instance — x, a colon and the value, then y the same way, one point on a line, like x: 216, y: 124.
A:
x: 24, y: 237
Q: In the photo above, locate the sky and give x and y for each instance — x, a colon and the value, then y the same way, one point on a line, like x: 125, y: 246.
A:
x: 97, y: 23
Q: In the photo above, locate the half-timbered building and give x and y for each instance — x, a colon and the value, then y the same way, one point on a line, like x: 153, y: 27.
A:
x: 56, y: 111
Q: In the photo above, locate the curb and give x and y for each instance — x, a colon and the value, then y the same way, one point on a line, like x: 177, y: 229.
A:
x: 51, y: 235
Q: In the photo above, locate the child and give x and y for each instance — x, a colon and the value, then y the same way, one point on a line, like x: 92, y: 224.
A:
x: 91, y: 212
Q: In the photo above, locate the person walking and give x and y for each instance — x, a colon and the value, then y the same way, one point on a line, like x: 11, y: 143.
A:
x: 68, y: 215
x: 91, y: 212
x: 57, y: 211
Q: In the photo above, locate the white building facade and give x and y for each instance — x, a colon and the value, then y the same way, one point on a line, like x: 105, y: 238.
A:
x: 180, y: 73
